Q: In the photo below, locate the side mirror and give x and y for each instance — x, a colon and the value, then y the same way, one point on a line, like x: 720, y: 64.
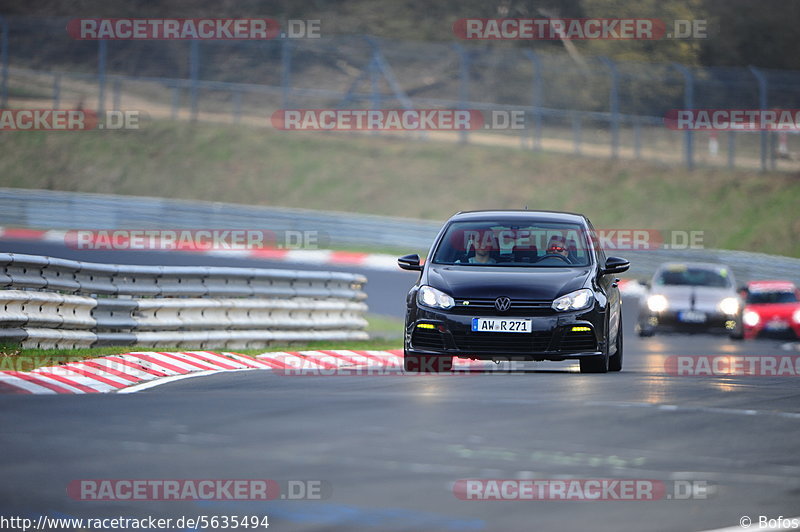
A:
x: 616, y: 265
x: 410, y: 263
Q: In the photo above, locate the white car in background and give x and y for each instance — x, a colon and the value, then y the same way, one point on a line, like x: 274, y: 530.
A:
x: 689, y: 297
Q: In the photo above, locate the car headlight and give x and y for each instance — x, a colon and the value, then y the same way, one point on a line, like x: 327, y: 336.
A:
x: 796, y: 316
x: 657, y: 303
x: 729, y: 305
x: 577, y: 300
x: 431, y: 297
x: 751, y: 318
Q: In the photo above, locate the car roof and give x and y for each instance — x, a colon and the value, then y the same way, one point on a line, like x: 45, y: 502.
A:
x: 771, y: 285
x: 547, y: 216
x: 698, y: 265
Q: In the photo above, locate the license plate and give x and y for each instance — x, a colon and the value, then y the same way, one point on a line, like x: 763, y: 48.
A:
x: 777, y: 325
x: 501, y: 325
x: 691, y: 316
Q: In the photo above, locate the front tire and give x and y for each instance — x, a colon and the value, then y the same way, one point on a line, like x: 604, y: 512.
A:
x: 645, y: 331
x: 615, y: 361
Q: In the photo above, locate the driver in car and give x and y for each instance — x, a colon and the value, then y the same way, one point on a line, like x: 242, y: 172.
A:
x: 557, y: 247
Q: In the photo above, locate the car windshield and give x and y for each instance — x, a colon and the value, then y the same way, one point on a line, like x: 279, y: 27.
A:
x: 689, y: 276
x: 514, y: 243
x: 771, y: 296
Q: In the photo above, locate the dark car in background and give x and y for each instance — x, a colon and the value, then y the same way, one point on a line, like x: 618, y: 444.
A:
x: 515, y: 285
x: 771, y: 309
x: 689, y: 297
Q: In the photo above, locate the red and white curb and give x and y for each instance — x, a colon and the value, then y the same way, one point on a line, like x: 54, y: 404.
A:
x: 373, y: 261
x: 117, y: 372
x: 135, y: 371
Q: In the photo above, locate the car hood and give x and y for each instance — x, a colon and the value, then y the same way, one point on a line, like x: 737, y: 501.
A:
x: 774, y: 310
x: 705, y: 297
x: 464, y: 282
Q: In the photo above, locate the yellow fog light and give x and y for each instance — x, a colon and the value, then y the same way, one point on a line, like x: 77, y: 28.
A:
x: 425, y: 326
x: 581, y: 329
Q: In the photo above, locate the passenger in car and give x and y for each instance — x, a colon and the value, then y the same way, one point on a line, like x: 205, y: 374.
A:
x: 483, y: 249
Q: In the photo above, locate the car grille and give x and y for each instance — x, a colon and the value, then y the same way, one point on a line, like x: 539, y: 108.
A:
x: 519, y: 307
x: 578, y: 342
x: 475, y: 342
x: 427, y: 339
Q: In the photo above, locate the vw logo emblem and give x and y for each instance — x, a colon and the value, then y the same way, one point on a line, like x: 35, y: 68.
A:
x: 502, y: 303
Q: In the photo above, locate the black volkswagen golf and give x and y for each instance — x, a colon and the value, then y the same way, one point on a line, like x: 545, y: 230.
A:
x: 514, y: 285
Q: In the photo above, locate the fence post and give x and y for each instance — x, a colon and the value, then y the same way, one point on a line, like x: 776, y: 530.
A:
x: 286, y: 72
x: 101, y: 75
x: 762, y: 104
x: 4, y: 60
x: 194, y: 73
x: 463, y: 86
x: 688, y: 104
x: 56, y: 90
x: 388, y: 75
x: 374, y: 80
x: 117, y: 95
x: 613, y: 103
x: 536, y: 97
x: 773, y: 149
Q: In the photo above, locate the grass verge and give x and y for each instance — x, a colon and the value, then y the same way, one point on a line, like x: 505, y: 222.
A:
x: 737, y: 209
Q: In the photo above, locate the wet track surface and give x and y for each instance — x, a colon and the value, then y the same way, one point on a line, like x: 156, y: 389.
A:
x: 391, y: 447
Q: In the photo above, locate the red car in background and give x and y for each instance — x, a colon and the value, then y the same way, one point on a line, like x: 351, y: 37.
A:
x: 770, y: 309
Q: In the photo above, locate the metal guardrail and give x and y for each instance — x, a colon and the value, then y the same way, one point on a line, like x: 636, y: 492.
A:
x: 69, y: 210
x: 112, y: 304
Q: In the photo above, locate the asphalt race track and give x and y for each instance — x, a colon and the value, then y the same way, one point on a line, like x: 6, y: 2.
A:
x: 390, y: 448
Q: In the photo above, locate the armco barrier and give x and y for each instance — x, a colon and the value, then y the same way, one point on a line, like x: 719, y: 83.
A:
x: 51, y: 302
x: 70, y: 210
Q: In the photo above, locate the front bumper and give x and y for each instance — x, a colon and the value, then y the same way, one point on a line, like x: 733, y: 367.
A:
x: 551, y: 338
x: 790, y: 332
x: 671, y: 320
